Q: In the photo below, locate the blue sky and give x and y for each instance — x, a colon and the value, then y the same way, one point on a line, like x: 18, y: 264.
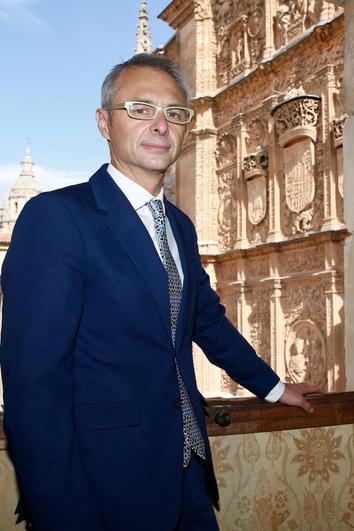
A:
x: 54, y: 55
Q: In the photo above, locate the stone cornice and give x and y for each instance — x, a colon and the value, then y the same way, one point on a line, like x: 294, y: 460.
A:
x: 313, y: 239
x: 177, y: 12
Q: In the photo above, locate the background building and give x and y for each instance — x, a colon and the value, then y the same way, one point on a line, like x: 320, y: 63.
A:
x: 262, y: 175
x: 21, y: 191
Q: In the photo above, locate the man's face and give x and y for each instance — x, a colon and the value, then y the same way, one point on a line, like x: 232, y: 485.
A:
x: 142, y: 149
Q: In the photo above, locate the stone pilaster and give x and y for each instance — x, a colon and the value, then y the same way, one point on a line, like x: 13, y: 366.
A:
x: 331, y: 219
x: 277, y: 325
x: 269, y: 15
x: 241, y: 205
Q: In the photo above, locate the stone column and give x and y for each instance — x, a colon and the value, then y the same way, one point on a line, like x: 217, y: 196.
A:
x: 206, y: 184
x: 241, y: 201
x: 275, y: 173
x: 331, y: 219
x: 335, y: 318
x: 277, y: 326
x: 269, y: 15
x: 348, y: 187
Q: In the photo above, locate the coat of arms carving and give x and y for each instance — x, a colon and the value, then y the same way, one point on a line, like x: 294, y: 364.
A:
x: 299, y: 161
x: 257, y: 199
x: 255, y: 168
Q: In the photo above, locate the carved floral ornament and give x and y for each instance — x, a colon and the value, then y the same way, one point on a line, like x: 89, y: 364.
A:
x: 255, y: 167
x: 297, y: 117
x: 338, y: 128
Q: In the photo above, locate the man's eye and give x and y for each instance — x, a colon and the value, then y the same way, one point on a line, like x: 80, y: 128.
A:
x: 142, y: 110
x: 174, y: 113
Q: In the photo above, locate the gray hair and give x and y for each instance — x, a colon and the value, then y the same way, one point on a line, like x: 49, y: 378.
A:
x: 109, y: 86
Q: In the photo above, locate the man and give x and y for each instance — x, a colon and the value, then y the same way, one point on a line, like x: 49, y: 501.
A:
x: 103, y: 294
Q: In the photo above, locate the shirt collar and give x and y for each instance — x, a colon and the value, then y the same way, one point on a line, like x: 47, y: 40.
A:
x: 136, y: 194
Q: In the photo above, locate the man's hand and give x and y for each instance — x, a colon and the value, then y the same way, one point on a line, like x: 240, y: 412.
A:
x: 293, y: 395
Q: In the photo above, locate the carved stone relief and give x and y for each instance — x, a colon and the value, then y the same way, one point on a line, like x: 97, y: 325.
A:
x: 257, y: 268
x: 338, y: 127
x: 240, y: 29
x: 256, y: 33
x: 306, y: 354
x: 226, y: 211
x: 255, y: 167
x: 257, y: 135
x: 259, y: 323
x: 304, y: 302
x: 302, y: 260
x: 225, y: 150
x: 282, y: 206
x: 239, y: 47
x: 295, y: 122
x: 300, y: 183
x: 296, y: 117
x: 294, y: 17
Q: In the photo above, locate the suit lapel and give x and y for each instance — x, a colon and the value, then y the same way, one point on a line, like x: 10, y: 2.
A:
x: 182, y: 244
x: 122, y: 220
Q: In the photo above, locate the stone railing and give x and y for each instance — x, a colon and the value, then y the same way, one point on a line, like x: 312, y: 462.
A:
x: 278, y: 468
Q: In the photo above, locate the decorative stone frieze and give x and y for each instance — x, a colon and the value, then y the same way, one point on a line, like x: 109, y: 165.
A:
x: 293, y: 17
x: 297, y: 117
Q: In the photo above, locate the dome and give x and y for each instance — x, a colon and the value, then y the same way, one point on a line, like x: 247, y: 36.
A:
x: 26, y: 181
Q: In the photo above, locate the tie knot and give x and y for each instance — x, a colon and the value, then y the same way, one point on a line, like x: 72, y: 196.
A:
x: 156, y: 208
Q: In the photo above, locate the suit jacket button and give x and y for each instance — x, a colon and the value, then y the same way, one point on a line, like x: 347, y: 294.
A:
x: 176, y: 403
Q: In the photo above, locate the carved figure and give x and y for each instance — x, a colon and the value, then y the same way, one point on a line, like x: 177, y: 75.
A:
x: 255, y: 22
x: 226, y: 149
x: 283, y: 22
x: 306, y: 354
x: 303, y: 221
x: 313, y: 11
x: 298, y: 361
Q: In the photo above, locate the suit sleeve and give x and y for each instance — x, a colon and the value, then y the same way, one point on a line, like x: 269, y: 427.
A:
x: 43, y: 283
x: 221, y: 342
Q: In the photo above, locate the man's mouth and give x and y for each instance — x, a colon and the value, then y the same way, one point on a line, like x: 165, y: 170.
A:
x: 155, y: 146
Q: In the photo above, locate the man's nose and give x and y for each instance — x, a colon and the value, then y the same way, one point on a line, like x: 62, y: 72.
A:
x: 159, y: 124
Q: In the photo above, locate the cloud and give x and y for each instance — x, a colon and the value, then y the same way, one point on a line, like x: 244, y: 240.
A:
x: 20, y: 11
x: 47, y: 179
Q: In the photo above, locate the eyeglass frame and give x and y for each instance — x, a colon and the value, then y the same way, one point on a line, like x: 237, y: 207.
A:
x: 126, y: 106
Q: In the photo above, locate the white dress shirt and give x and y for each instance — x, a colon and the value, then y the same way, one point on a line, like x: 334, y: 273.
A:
x: 138, y: 197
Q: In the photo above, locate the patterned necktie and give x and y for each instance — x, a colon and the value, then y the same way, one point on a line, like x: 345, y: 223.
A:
x: 193, y: 439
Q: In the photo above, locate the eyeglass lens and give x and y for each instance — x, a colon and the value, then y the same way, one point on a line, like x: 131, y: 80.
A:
x: 146, y: 111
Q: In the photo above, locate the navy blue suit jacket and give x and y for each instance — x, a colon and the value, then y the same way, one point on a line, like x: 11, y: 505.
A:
x: 90, y: 386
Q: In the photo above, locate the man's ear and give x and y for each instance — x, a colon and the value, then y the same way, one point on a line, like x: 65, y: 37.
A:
x: 102, y: 122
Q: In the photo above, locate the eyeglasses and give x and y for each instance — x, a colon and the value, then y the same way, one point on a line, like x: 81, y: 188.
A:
x: 147, y: 111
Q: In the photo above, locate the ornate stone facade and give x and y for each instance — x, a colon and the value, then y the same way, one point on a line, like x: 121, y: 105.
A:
x: 262, y: 175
